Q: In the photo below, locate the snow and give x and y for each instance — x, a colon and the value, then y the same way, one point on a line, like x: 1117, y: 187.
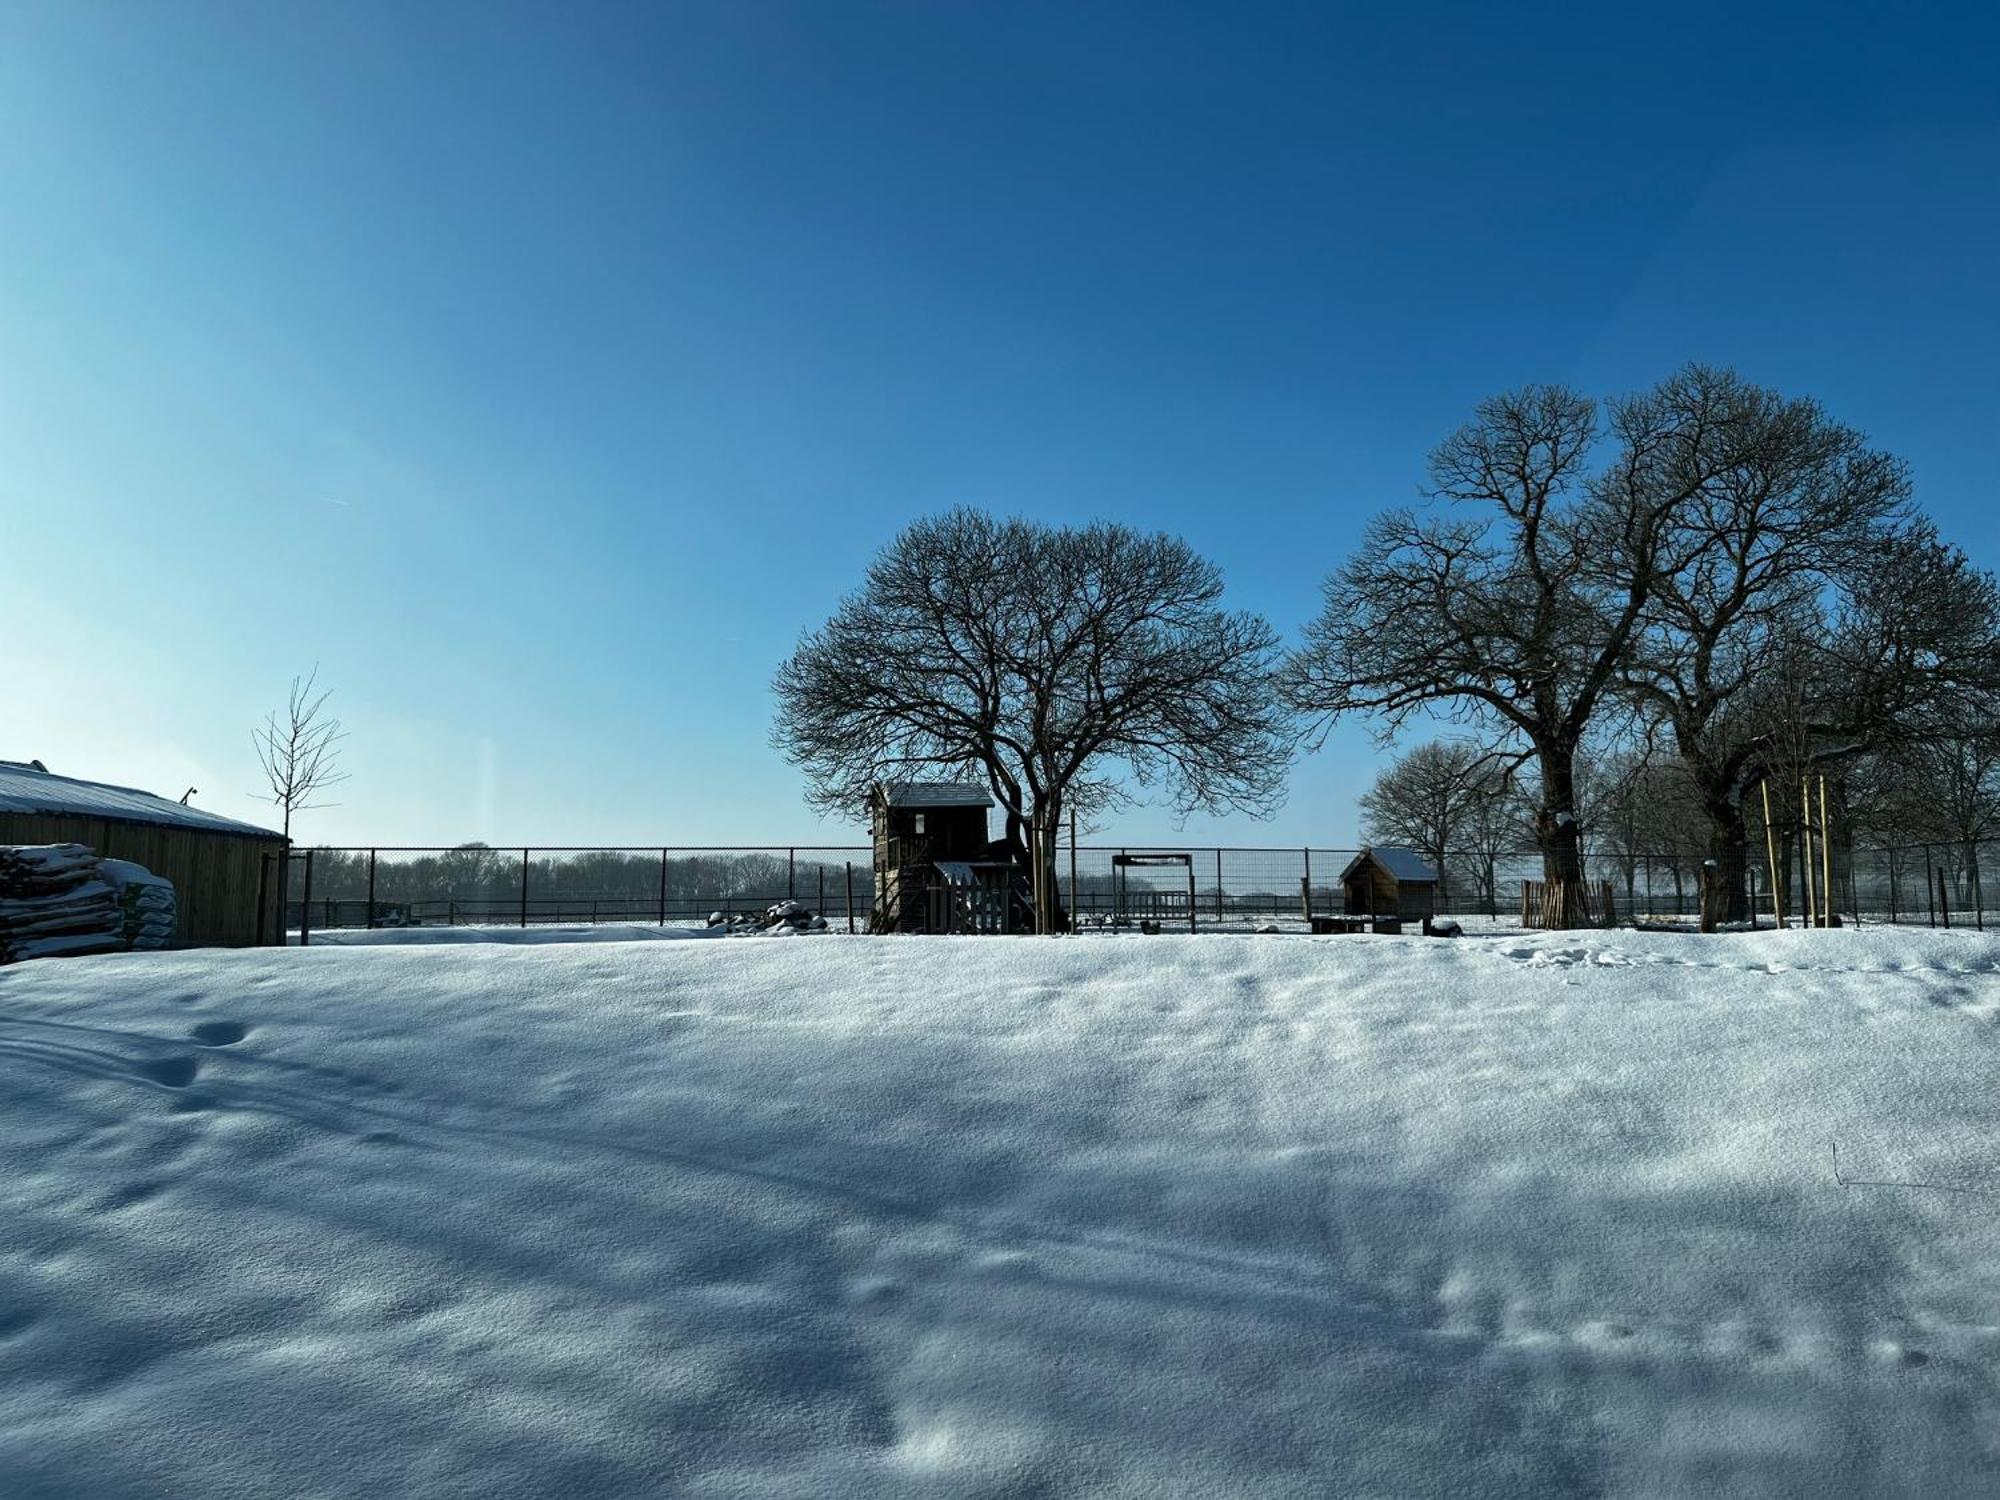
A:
x: 23, y: 789
x: 1178, y: 1216
x: 936, y: 794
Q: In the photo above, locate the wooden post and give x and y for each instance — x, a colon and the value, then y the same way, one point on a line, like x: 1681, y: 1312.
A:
x: 850, y: 898
x: 263, y: 894
x: 524, y: 887
x: 306, y: 900
x: 1825, y: 857
x: 1805, y: 853
x: 1306, y: 898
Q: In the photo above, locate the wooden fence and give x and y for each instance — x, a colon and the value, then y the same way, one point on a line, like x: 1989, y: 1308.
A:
x: 1555, y: 904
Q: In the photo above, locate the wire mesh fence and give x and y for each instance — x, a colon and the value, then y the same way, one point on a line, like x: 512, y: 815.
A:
x: 1208, y: 888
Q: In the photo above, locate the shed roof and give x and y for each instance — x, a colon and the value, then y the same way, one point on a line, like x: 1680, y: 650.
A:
x: 26, y: 788
x: 1404, y: 865
x: 934, y: 794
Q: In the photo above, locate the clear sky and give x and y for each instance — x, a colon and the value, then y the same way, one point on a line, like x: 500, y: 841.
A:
x: 542, y: 370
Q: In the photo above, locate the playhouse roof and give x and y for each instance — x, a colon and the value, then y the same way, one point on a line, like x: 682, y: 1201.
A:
x: 25, y: 787
x: 1406, y: 866
x: 934, y: 794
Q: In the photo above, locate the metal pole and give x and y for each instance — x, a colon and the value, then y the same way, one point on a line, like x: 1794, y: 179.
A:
x: 306, y: 904
x: 1309, y: 883
x: 819, y: 905
x: 371, y: 887
x: 1073, y: 898
x: 791, y: 874
x: 1930, y: 887
x: 263, y: 895
x: 663, y: 887
x: 524, y: 887
x: 1190, y: 893
x: 850, y: 898
x: 1944, y: 892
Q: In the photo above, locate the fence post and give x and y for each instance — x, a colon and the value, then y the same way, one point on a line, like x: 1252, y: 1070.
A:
x: 1930, y: 888
x: 1306, y: 898
x: 1309, y: 883
x: 819, y: 905
x: 1944, y: 892
x: 791, y: 874
x: 850, y: 898
x: 1978, y: 889
x: 371, y: 887
x: 1219, y: 913
x: 306, y: 904
x: 1190, y: 894
x: 524, y: 887
x: 263, y: 895
x: 663, y: 887
x: 1074, y: 897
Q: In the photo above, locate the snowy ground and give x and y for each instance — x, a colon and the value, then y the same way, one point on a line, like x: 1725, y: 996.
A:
x: 987, y: 1217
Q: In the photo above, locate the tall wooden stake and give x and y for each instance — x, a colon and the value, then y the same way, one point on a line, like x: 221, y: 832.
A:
x: 1805, y: 853
x: 1771, y: 856
x: 1826, y: 857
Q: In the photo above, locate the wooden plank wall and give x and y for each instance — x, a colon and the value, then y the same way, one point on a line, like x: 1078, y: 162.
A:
x: 215, y: 875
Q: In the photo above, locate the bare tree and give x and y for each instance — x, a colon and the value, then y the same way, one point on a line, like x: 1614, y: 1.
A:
x: 299, y: 749
x: 1061, y: 667
x: 1515, y: 609
x: 1756, y: 550
x: 1427, y: 798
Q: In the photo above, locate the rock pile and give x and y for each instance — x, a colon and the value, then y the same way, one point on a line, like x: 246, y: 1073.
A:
x: 780, y: 920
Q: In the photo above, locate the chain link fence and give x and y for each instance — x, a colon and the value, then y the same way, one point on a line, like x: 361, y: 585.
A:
x: 1221, y: 888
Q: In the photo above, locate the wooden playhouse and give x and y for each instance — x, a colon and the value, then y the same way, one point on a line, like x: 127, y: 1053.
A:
x: 935, y: 868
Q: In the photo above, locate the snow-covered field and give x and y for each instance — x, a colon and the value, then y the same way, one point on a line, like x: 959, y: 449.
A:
x: 1220, y: 1216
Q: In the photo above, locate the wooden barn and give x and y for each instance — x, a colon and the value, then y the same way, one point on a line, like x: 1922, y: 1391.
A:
x: 935, y: 868
x: 1383, y: 882
x: 215, y: 863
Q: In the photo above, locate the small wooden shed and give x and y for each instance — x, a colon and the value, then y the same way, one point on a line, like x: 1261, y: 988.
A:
x: 934, y: 866
x: 215, y: 863
x: 1382, y: 881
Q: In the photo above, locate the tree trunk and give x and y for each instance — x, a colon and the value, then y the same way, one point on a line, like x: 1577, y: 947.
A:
x: 1725, y: 878
x: 1559, y: 836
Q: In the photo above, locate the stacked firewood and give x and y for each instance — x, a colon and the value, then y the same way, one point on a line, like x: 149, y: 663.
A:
x: 54, y: 901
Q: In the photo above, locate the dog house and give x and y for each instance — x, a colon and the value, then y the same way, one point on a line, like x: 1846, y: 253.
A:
x: 1397, y: 884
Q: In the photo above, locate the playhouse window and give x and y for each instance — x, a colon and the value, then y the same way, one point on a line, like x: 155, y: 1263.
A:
x: 920, y: 822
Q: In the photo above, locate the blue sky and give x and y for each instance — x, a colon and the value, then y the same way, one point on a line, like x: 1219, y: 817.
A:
x: 542, y: 371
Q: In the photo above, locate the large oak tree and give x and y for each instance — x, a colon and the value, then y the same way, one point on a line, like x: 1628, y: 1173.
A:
x: 1060, y: 666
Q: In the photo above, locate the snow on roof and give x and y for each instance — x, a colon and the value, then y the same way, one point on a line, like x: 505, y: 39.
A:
x: 26, y: 788
x: 935, y: 794
x: 1403, y: 864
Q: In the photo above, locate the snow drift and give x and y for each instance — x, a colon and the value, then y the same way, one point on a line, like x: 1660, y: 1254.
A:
x: 990, y: 1217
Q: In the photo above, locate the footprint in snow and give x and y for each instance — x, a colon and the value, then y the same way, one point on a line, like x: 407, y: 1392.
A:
x: 173, y: 1072
x: 219, y: 1033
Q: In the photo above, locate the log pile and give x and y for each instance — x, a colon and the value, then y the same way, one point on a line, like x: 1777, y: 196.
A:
x: 54, y: 902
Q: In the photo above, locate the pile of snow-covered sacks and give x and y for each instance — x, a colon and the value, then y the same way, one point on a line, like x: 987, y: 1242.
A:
x: 782, y: 920
x: 61, y: 899
x: 147, y: 901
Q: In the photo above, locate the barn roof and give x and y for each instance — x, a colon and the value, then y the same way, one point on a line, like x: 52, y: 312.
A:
x: 26, y: 788
x: 1405, y: 865
x: 934, y: 794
